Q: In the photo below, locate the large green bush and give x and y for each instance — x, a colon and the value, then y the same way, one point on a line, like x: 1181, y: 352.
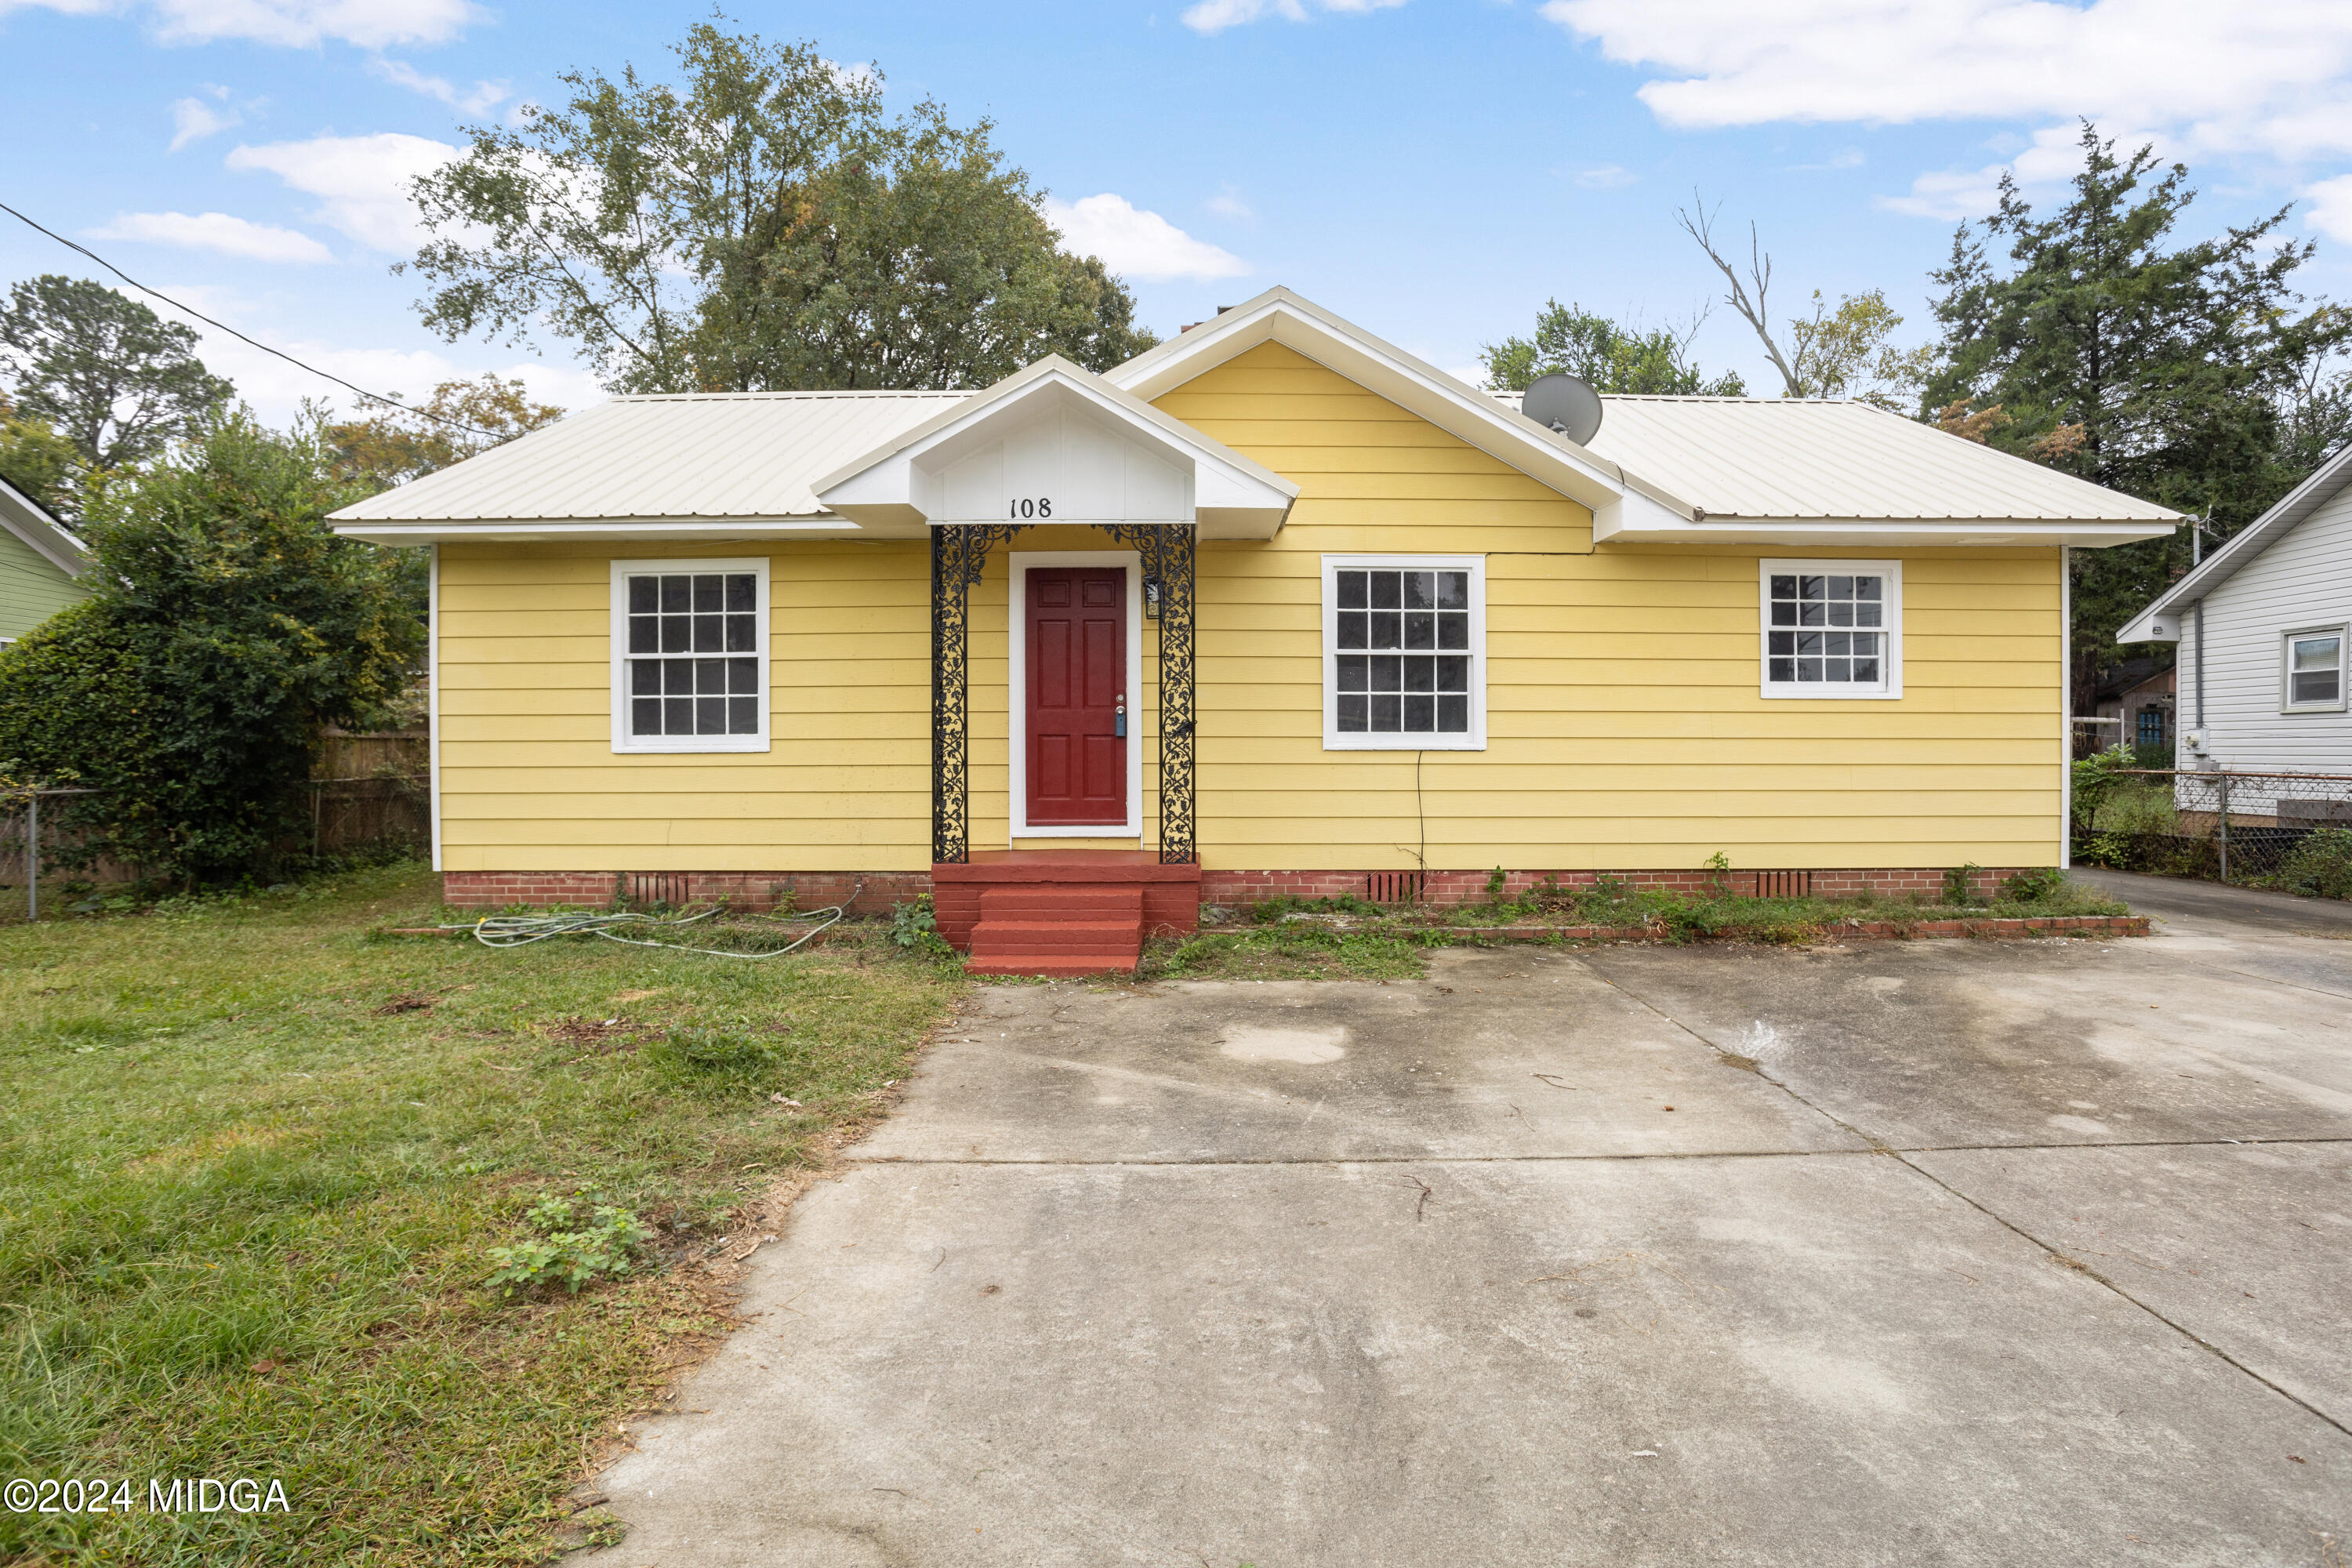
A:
x: 2321, y: 865
x: 229, y: 627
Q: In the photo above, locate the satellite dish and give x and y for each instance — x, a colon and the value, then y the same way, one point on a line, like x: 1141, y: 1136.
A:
x: 1564, y: 405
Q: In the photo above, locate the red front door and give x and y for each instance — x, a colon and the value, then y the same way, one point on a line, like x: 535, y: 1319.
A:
x: 1078, y: 696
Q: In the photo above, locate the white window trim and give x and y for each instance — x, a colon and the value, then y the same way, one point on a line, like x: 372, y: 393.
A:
x: 624, y: 743
x: 1793, y: 690
x: 1016, y: 662
x: 2343, y: 634
x: 1357, y: 741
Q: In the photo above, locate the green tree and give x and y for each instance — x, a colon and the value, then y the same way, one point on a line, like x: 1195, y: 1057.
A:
x: 462, y: 419
x: 2169, y: 369
x: 229, y: 627
x: 760, y: 225
x: 1613, y: 357
x: 39, y: 462
x: 104, y: 371
x: 1847, y: 351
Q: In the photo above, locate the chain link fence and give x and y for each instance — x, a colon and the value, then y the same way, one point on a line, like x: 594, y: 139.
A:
x: 33, y: 851
x: 45, y: 869
x: 2283, y: 830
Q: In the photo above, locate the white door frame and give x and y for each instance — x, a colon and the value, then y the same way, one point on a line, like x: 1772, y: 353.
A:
x: 1016, y: 641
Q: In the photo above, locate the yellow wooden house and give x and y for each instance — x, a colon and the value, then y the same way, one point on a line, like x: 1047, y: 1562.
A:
x: 1274, y: 607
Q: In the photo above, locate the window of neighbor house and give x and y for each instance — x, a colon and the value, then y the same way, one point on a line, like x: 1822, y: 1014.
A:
x: 690, y: 655
x: 1833, y: 628
x: 2313, y: 676
x: 2150, y: 729
x: 1404, y: 652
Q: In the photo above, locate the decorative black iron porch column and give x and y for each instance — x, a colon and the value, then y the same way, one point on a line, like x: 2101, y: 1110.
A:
x: 959, y: 555
x: 1168, y: 552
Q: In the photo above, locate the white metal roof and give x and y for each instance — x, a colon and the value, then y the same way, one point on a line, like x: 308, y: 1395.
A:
x: 1791, y: 458
x: 1670, y: 468
x: 737, y: 457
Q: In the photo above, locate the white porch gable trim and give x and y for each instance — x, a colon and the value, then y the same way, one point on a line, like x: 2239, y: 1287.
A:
x: 1055, y: 444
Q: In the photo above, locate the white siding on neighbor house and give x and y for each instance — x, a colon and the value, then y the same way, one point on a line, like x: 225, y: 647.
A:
x: 2301, y: 581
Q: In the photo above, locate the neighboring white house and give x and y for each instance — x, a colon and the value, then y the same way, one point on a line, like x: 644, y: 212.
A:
x: 2264, y: 625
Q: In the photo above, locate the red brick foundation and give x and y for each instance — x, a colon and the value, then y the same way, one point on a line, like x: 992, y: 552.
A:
x: 867, y: 892
x: 876, y: 892
x: 1449, y: 888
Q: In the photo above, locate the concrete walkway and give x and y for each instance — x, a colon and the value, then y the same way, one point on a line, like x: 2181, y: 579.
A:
x: 1901, y: 1253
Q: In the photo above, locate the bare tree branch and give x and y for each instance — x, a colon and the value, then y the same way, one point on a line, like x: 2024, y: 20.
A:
x: 1701, y: 228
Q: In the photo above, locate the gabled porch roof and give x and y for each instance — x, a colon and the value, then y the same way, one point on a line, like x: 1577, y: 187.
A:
x: 1056, y: 434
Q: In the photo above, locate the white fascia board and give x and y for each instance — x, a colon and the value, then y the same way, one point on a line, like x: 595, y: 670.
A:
x: 1637, y: 521
x: 1413, y: 385
x: 26, y: 518
x: 507, y: 530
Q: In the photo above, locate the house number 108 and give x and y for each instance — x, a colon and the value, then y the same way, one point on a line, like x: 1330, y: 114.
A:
x: 1041, y: 506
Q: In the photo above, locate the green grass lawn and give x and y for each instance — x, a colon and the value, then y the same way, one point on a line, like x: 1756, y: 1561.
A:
x: 255, y: 1157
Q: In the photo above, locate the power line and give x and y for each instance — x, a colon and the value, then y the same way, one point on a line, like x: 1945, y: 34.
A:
x: 232, y: 331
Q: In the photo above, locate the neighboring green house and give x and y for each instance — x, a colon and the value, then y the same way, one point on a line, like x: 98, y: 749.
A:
x: 41, y: 567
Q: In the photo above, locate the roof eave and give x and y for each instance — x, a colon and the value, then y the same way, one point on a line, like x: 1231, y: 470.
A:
x: 1633, y: 526
x: 2243, y: 547
x: 29, y: 521
x: 528, y: 531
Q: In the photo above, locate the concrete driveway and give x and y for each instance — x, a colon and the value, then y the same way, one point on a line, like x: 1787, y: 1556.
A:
x: 1899, y: 1253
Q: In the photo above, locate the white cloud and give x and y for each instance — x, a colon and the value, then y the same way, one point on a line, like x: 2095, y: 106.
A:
x: 293, y: 24
x: 484, y: 97
x: 1228, y: 202
x: 2331, y: 207
x: 1216, y: 16
x: 2273, y: 79
x: 1135, y: 244
x: 216, y: 231
x: 363, y: 180
x: 1607, y: 178
x: 193, y: 119
x: 2055, y: 156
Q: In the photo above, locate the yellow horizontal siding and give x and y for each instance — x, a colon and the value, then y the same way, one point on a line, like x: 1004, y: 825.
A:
x: 1625, y: 729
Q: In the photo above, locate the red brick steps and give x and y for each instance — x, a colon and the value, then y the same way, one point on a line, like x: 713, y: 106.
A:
x: 1057, y: 930
x: 1062, y: 912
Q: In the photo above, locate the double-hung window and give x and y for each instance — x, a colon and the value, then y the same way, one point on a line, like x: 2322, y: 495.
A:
x: 690, y: 655
x: 1832, y: 628
x: 1404, y: 653
x: 2312, y: 677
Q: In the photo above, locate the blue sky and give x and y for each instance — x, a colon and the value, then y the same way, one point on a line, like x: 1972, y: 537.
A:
x: 1431, y: 169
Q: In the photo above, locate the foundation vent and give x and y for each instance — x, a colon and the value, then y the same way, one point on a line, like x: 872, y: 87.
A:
x: 1392, y: 888
x: 1784, y: 884
x: 671, y: 890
